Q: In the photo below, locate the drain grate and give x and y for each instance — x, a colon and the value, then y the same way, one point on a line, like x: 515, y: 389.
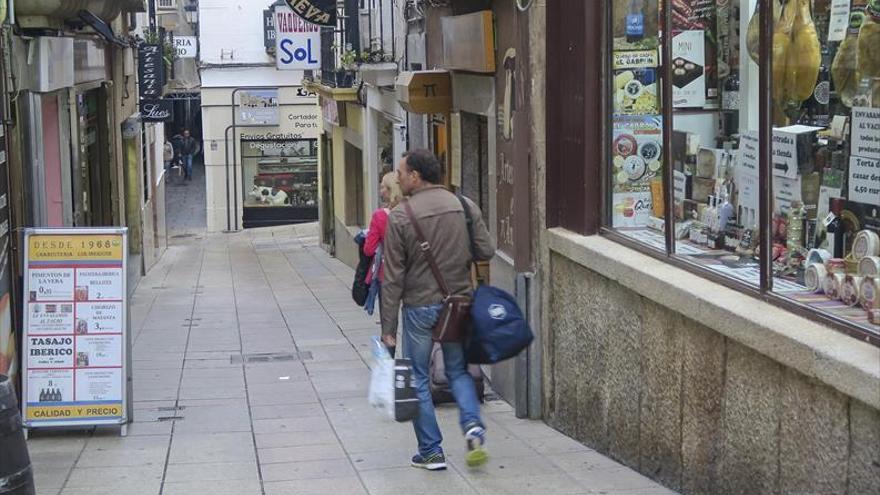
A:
x: 171, y: 408
x: 269, y: 357
x: 169, y: 418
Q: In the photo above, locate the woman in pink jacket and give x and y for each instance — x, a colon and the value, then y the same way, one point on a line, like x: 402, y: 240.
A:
x: 389, y: 190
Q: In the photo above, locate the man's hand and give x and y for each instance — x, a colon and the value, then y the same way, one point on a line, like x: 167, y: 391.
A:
x: 389, y: 340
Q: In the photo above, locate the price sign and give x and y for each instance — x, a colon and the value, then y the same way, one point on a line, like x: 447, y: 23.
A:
x: 75, y: 328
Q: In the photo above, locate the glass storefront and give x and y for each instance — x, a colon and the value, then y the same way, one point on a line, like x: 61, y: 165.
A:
x: 280, y: 181
x: 753, y: 155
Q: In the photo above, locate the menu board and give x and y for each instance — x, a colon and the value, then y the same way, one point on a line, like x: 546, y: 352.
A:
x: 75, y: 327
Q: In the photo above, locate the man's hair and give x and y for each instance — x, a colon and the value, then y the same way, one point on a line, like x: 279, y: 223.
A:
x: 425, y: 163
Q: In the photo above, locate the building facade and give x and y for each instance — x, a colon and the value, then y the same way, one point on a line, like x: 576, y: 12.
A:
x: 259, y: 126
x: 77, y: 152
x: 691, y: 255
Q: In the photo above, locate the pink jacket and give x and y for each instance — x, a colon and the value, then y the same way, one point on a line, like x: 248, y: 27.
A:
x: 375, y: 237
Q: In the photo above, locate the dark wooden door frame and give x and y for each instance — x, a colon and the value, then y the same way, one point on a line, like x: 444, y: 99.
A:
x: 576, y: 115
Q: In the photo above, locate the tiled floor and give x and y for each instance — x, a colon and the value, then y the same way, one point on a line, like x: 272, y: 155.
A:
x: 206, y: 423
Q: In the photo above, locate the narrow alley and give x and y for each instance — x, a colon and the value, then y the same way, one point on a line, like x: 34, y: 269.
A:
x: 250, y: 367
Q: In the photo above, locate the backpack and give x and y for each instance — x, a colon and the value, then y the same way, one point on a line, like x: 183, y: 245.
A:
x: 359, y: 288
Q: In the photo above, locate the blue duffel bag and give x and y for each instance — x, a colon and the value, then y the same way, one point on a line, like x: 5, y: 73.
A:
x: 498, y: 329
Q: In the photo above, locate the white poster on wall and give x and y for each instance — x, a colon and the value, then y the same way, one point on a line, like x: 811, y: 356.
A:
x: 297, y: 42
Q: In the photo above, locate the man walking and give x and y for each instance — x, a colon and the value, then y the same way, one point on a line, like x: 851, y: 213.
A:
x: 188, y: 147
x: 408, y: 279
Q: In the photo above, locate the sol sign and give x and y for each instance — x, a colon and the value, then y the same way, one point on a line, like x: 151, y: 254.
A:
x: 297, y: 42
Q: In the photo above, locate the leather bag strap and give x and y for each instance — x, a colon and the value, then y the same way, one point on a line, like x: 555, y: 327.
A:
x: 426, y: 250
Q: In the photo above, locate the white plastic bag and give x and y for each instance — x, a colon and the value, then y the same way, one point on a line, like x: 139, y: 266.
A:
x: 382, y: 380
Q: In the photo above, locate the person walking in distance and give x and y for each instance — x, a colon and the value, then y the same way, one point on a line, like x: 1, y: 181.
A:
x: 408, y: 279
x: 168, y: 157
x: 188, y: 147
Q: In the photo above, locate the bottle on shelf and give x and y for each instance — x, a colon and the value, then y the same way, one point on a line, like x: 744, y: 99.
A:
x: 635, y: 21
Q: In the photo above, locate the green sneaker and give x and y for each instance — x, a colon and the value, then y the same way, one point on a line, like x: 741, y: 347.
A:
x: 433, y: 462
x: 476, y: 439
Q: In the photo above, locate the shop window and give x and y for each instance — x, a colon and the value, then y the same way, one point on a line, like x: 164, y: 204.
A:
x: 744, y: 142
x: 354, y: 186
x: 280, y: 181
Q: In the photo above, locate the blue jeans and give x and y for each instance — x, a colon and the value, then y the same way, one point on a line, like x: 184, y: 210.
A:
x: 417, y: 345
x: 188, y: 165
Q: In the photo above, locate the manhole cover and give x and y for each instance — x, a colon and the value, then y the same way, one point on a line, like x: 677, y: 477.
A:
x: 170, y: 418
x: 269, y: 357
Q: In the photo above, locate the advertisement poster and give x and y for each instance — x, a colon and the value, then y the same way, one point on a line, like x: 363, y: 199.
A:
x: 636, y: 91
x: 258, y: 107
x: 637, y: 152
x: 75, y: 343
x: 688, y: 70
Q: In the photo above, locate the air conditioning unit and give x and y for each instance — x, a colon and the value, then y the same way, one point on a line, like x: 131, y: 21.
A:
x: 49, y: 64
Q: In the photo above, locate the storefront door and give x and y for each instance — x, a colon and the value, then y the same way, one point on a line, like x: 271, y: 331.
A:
x: 328, y: 215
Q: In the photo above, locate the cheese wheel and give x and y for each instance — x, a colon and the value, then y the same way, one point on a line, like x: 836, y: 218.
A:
x: 849, y: 290
x: 828, y: 286
x: 868, y: 293
x: 814, y: 276
x: 869, y: 266
x: 818, y: 256
x: 874, y: 316
x: 866, y: 243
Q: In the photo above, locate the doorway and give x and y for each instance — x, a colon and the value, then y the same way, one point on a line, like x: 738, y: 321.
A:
x: 328, y: 213
x: 93, y: 181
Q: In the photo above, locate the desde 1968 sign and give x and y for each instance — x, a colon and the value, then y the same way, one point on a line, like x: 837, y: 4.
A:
x: 322, y: 12
x: 297, y: 42
x: 151, y: 71
x: 75, y: 327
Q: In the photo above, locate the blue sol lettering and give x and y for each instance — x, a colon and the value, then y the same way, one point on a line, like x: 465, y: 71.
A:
x: 301, y: 54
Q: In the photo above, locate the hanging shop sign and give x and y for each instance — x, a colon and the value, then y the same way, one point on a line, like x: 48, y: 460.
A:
x: 186, y: 46
x: 269, y: 30
x: 75, y: 327
x: 258, y: 107
x: 297, y: 42
x: 321, y: 12
x: 157, y: 110
x: 428, y: 91
x: 151, y: 71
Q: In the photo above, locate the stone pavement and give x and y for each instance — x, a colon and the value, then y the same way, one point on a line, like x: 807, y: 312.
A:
x: 250, y: 377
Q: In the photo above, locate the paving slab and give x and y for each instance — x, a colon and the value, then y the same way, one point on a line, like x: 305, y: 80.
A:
x: 205, y: 422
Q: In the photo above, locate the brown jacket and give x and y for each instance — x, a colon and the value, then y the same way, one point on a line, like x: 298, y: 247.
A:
x: 408, y: 277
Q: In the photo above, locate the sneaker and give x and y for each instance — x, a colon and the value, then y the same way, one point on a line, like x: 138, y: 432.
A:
x: 476, y: 440
x: 433, y: 462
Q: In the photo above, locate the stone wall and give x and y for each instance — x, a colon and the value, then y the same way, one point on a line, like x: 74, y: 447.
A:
x: 690, y: 407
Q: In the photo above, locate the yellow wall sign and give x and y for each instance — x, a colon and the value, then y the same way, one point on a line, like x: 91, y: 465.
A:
x: 84, y: 247
x: 75, y: 339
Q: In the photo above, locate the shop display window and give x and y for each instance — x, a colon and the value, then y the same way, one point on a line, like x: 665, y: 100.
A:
x: 767, y: 173
x: 279, y: 181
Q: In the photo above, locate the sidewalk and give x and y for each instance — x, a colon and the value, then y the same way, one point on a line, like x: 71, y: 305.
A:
x: 250, y: 377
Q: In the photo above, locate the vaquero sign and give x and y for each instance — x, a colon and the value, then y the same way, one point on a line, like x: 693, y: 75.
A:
x: 157, y: 110
x: 298, y: 43
x: 322, y: 12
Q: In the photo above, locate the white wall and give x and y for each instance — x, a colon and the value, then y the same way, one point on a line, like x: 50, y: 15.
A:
x: 232, y: 26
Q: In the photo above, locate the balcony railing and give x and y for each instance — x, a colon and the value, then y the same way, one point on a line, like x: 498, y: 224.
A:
x: 166, y: 4
x: 377, y: 21
x: 341, y: 46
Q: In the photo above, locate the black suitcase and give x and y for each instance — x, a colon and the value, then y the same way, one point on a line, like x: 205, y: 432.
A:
x: 440, y: 391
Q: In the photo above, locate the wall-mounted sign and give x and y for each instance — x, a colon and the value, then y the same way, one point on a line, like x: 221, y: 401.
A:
x: 322, y: 12
x: 258, y: 107
x: 151, y: 71
x: 269, y: 30
x: 297, y: 42
x: 186, y: 46
x: 157, y: 110
x: 75, y: 327
x: 428, y: 91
